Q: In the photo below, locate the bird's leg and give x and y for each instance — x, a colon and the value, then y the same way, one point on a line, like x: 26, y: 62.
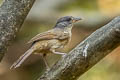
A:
x: 46, y: 63
x: 53, y: 51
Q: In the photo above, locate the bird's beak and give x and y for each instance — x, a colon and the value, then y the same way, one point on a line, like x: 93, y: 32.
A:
x: 76, y: 19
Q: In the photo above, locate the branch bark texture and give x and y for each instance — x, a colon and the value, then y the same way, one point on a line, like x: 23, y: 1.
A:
x: 12, y: 15
x: 86, y: 54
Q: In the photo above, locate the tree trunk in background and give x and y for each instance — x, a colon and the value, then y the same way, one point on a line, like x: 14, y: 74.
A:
x: 12, y: 16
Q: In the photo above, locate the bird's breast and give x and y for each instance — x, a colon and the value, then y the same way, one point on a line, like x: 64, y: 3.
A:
x: 58, y: 43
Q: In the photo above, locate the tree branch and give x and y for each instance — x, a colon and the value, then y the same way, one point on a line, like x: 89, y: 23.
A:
x: 86, y: 54
x: 12, y: 15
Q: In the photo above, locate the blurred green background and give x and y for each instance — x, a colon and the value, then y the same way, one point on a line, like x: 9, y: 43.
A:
x: 42, y: 17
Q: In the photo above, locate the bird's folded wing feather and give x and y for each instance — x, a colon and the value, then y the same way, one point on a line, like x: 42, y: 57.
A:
x: 51, y: 34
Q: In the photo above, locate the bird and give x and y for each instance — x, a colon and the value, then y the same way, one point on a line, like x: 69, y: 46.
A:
x: 47, y: 42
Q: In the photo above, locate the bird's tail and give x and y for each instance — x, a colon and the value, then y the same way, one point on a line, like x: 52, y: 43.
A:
x: 22, y: 58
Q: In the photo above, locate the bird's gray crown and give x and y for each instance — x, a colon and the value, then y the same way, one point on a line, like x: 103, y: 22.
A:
x: 63, y: 22
x: 65, y: 19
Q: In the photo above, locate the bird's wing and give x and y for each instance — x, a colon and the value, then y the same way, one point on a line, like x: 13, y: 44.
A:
x: 51, y: 34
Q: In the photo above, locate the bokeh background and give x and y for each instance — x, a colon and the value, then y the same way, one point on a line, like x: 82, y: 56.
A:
x: 42, y: 17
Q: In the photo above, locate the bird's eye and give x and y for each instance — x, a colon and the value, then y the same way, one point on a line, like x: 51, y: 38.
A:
x: 69, y: 19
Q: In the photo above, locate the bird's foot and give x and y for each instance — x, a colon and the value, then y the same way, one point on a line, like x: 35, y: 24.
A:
x: 64, y: 54
x: 47, y: 68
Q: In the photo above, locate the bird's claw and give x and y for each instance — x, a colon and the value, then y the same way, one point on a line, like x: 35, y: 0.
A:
x: 47, y: 68
x: 64, y: 55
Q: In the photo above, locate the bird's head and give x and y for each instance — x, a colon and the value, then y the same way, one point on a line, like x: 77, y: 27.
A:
x: 66, y: 21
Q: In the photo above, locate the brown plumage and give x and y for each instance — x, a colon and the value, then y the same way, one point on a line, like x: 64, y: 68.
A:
x: 49, y: 41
